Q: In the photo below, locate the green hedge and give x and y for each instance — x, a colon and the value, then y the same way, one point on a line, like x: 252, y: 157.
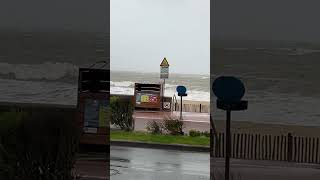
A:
x: 121, y: 113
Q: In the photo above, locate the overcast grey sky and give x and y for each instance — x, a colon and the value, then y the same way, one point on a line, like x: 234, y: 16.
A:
x: 52, y: 15
x: 295, y: 20
x: 143, y: 32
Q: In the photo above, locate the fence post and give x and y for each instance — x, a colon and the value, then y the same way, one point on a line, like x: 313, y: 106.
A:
x: 290, y: 144
x: 211, y: 142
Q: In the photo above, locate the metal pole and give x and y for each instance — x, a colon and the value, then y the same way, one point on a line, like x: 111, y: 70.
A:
x: 181, y: 109
x: 228, y: 146
x: 164, y: 82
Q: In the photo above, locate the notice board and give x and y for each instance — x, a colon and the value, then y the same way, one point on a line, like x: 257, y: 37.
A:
x: 95, y: 115
x: 147, y: 96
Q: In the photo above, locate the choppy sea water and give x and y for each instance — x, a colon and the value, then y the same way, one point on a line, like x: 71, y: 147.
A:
x: 198, y: 86
x: 281, y: 81
x: 56, y: 83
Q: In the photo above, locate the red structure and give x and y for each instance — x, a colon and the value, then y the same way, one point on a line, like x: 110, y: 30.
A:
x: 93, y: 100
x: 147, y: 96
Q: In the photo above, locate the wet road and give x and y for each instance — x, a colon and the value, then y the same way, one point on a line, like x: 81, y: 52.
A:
x: 154, y: 164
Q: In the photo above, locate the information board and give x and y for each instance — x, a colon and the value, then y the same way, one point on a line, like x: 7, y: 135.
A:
x: 95, y: 115
x: 146, y: 98
x: 147, y: 95
x: 164, y: 69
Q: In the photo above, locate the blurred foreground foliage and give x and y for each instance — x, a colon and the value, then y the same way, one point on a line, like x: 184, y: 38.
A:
x: 37, y: 146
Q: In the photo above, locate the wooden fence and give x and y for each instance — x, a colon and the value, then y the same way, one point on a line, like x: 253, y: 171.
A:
x: 201, y: 108
x: 268, y: 147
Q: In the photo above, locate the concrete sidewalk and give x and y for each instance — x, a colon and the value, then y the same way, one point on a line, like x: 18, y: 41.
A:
x: 264, y: 170
x: 196, y: 121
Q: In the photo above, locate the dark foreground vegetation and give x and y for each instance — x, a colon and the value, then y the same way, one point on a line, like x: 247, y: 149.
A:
x: 37, y: 146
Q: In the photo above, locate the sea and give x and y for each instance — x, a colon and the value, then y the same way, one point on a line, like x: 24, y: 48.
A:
x: 198, y: 86
x: 281, y: 78
x: 56, y: 83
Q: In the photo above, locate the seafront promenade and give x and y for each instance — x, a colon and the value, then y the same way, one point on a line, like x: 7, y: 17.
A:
x: 195, y: 121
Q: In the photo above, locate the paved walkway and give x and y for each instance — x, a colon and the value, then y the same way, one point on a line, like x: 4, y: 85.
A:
x: 198, y: 121
x: 265, y: 170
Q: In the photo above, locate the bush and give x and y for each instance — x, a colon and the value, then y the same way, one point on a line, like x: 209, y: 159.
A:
x: 173, y: 125
x: 122, y: 113
x: 155, y: 127
x: 194, y: 133
x: 206, y: 134
x: 38, y: 146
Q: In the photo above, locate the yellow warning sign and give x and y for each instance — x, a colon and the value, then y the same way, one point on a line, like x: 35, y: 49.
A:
x: 164, y: 63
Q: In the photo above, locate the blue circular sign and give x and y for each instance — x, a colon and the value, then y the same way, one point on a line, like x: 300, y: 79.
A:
x: 181, y: 89
x: 228, y: 88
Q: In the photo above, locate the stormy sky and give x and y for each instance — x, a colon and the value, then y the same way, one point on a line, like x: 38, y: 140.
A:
x: 295, y: 20
x: 143, y: 32
x: 51, y: 15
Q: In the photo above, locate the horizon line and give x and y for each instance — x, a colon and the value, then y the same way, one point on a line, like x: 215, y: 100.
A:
x: 152, y: 72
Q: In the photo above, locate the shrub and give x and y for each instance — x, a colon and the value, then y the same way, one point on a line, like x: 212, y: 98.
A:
x: 122, y: 113
x: 194, y: 133
x: 38, y: 146
x: 155, y: 127
x: 173, y: 125
x: 206, y: 134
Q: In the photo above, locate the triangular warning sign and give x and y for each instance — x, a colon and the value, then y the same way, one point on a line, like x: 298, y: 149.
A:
x: 164, y: 63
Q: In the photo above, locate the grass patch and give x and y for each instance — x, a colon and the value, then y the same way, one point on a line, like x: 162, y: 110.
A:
x: 159, y: 138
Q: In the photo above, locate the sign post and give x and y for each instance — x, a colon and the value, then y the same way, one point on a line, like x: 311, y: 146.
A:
x: 181, y: 92
x: 164, y: 74
x: 229, y: 91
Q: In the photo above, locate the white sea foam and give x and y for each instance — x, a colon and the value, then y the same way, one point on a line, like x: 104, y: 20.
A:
x: 122, y: 84
x: 44, y: 71
x: 127, y: 88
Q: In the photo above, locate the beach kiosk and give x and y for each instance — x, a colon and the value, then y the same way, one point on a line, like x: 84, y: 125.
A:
x: 147, y: 96
x: 93, y: 99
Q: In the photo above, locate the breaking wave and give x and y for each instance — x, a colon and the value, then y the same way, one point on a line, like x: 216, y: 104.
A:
x: 47, y: 71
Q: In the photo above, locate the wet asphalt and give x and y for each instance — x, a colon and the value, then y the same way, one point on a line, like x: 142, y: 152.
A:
x: 158, y: 164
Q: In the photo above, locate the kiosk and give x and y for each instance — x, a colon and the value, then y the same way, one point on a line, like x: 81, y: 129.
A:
x: 147, y: 96
x: 93, y: 100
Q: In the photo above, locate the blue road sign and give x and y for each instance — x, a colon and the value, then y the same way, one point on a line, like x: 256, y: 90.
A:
x: 228, y: 88
x: 181, y: 89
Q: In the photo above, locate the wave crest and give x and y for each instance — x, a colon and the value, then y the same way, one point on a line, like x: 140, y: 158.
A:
x: 46, y: 71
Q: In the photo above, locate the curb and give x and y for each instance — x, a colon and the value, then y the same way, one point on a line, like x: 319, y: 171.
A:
x: 178, y: 147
